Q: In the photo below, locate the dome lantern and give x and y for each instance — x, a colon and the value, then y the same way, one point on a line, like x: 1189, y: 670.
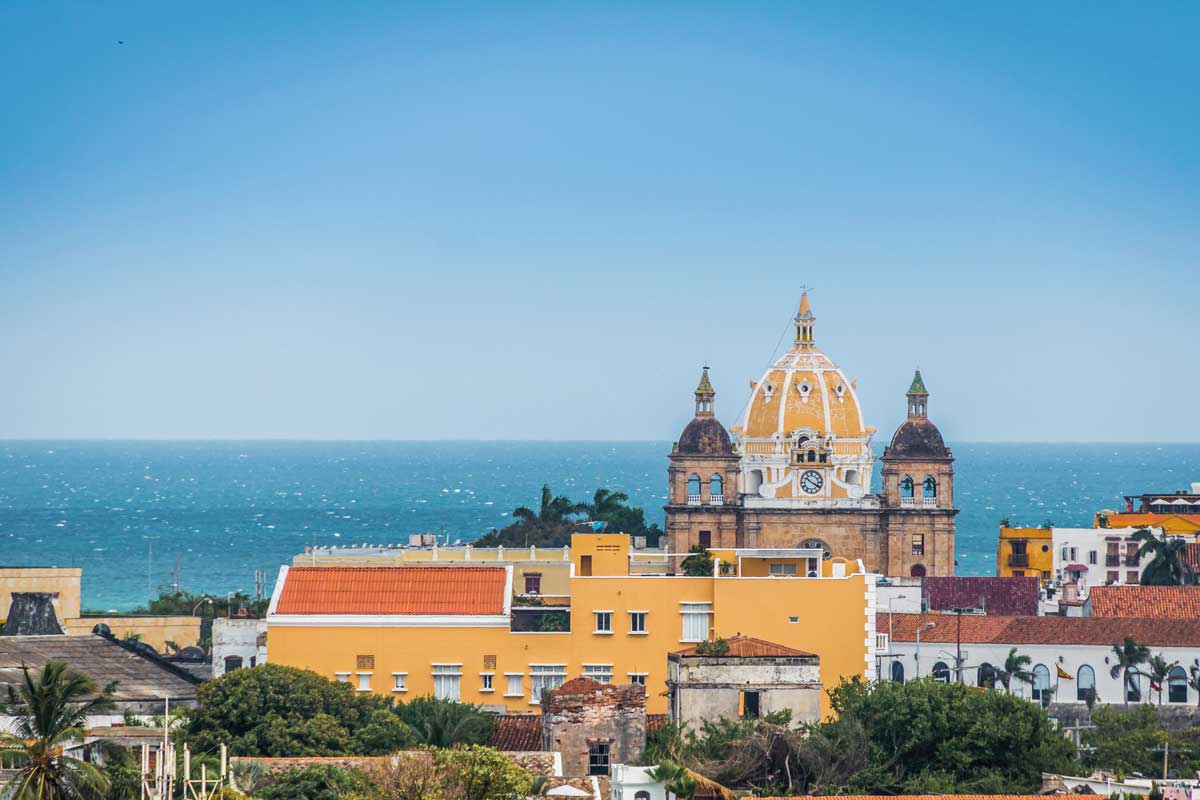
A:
x: 705, y: 395
x: 918, y: 398
x: 805, y: 320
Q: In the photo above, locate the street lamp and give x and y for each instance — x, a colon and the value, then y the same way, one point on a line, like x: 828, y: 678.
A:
x: 206, y: 599
x: 920, y: 628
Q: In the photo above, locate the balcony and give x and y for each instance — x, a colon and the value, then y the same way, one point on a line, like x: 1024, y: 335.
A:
x: 908, y: 502
x: 1112, y: 561
x: 693, y: 500
x: 716, y: 500
x: 929, y: 502
x: 1018, y: 560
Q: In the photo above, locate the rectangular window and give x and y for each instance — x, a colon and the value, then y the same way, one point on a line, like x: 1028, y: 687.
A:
x: 485, y: 682
x: 544, y: 676
x: 512, y: 687
x: 598, y: 758
x: 447, y: 681
x: 695, y: 621
x: 1131, y: 577
x: 489, y: 663
x: 341, y: 677
x: 782, y: 569
x: 637, y: 621
x: 365, y: 662
x: 1066, y: 554
x: 603, y: 621
x: 601, y: 673
x: 1092, y: 557
x: 533, y: 583
x: 1074, y: 553
x: 399, y: 681
x: 881, y: 642
x: 918, y: 544
x: 750, y: 705
x: 1018, y: 573
x: 706, y: 539
x: 364, y: 681
x: 638, y: 677
x: 1113, y: 577
x: 585, y: 566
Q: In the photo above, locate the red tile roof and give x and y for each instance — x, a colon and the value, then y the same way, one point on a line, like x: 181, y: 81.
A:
x: 1003, y: 596
x: 748, y: 647
x: 1159, y: 602
x: 1105, y: 631
x: 517, y: 732
x: 393, y: 590
x: 1191, y: 556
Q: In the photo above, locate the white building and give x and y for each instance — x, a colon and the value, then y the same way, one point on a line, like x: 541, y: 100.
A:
x: 1086, y: 557
x: 238, y: 643
x: 1070, y: 655
x: 635, y: 783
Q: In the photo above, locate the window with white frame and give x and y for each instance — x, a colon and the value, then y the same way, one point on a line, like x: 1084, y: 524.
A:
x: 638, y: 678
x: 637, y: 621
x: 447, y: 681
x: 881, y: 642
x: 601, y: 673
x: 1092, y: 557
x: 485, y: 682
x: 512, y: 684
x: 341, y: 677
x: 603, y: 621
x: 695, y: 621
x: 399, y: 681
x: 364, y: 681
x: 783, y: 569
x: 544, y: 676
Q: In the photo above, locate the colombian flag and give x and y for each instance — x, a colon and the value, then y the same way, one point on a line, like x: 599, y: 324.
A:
x: 1063, y: 674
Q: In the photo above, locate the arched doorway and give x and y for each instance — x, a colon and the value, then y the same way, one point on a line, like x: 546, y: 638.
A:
x: 917, y: 571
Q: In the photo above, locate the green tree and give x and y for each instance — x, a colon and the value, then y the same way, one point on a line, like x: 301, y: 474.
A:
x: 1125, y: 741
x: 611, y: 508
x: 315, y: 782
x: 699, y: 563
x: 50, y: 710
x: 933, y: 737
x: 675, y: 779
x: 1129, y: 655
x: 1168, y: 565
x: 1160, y: 670
x: 476, y: 772
x: 1016, y: 667
x: 445, y: 723
x: 273, y: 710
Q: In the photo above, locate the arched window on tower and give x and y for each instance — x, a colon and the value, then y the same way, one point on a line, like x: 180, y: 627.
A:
x: 906, y: 490
x: 716, y: 489
x: 693, y: 490
x: 930, y: 486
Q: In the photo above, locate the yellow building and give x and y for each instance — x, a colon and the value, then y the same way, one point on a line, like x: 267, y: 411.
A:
x: 457, y: 630
x: 1171, y: 524
x: 1025, y: 552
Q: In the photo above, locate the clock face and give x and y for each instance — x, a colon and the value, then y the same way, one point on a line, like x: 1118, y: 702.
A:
x: 811, y: 481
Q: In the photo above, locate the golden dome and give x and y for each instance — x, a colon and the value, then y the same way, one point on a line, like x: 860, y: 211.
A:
x: 803, y: 390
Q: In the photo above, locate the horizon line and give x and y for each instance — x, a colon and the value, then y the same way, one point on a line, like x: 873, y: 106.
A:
x: 464, y: 440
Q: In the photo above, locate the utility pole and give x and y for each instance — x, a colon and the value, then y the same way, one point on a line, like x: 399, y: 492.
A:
x: 150, y: 566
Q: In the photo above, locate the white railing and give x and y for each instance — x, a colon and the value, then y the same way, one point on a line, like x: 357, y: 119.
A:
x: 693, y: 500
x: 929, y: 502
x: 716, y: 500
x: 908, y: 502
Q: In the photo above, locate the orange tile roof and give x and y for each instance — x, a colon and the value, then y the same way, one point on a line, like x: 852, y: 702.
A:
x: 1159, y: 602
x: 393, y: 590
x: 1105, y: 631
x: 748, y: 647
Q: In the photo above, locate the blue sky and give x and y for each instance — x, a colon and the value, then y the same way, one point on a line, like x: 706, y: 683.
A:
x: 508, y: 220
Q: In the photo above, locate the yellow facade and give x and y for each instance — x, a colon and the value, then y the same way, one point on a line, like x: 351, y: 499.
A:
x: 1172, y: 524
x: 1025, y: 552
x: 831, y: 617
x: 60, y: 581
x: 154, y: 630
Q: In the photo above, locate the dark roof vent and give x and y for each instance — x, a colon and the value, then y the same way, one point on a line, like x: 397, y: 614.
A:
x: 102, y: 630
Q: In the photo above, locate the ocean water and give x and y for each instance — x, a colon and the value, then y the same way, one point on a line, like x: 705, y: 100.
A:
x: 221, y: 510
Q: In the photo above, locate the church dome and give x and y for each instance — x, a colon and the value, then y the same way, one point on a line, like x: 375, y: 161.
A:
x: 917, y: 438
x: 705, y: 436
x: 803, y: 390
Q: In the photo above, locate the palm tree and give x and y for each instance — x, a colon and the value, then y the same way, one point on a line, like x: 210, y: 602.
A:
x: 1160, y: 670
x: 1015, y: 666
x: 1168, y: 567
x: 1194, y: 681
x: 604, y: 502
x: 553, y: 509
x: 676, y: 779
x: 50, y: 710
x: 1128, y: 656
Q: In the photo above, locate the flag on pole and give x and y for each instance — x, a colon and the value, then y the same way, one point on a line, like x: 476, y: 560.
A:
x: 1063, y: 674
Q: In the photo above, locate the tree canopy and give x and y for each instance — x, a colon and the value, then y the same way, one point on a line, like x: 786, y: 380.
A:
x: 557, y: 515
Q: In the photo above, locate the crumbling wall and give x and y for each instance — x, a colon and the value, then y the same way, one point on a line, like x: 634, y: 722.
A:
x: 583, y: 711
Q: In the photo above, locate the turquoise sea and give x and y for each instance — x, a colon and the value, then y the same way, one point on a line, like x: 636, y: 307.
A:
x: 222, y: 510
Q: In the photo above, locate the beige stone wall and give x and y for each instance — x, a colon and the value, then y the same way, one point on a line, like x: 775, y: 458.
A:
x: 62, y: 581
x: 849, y: 534
x: 154, y: 631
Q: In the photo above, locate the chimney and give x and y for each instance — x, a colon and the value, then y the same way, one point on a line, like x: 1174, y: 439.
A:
x: 33, y: 614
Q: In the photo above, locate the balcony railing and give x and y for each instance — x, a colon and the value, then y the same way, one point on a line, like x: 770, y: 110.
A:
x: 1018, y: 560
x: 693, y: 500
x: 716, y: 500
x: 1112, y: 561
x: 908, y: 502
x: 929, y: 502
